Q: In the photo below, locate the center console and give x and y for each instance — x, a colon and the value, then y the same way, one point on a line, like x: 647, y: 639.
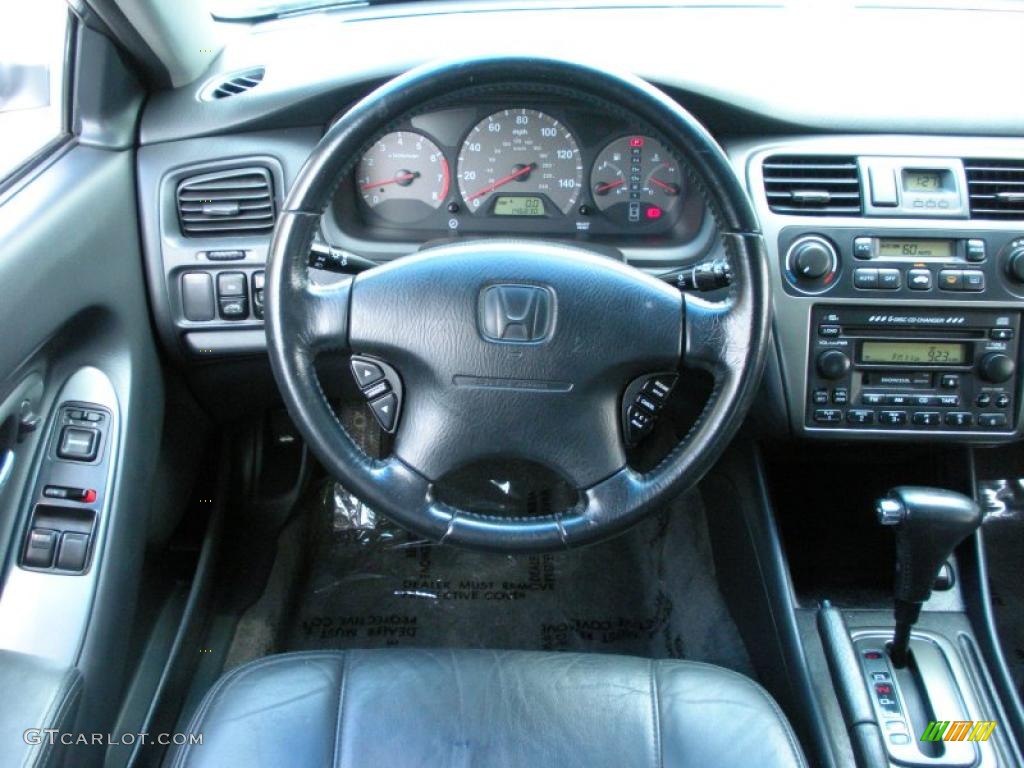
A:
x: 898, y: 283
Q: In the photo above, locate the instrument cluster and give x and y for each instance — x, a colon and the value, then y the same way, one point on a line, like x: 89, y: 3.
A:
x: 545, y: 168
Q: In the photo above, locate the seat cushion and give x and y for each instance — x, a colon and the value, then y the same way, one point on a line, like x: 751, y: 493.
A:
x: 486, y: 709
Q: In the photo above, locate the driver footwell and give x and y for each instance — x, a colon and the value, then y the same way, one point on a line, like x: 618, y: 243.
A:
x: 345, y: 580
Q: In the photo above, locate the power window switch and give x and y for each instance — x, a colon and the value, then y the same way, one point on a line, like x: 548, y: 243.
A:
x: 40, y: 548
x: 78, y: 444
x: 73, y: 549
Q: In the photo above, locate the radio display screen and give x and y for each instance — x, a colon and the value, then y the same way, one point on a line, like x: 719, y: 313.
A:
x: 913, y: 353
x: 889, y: 247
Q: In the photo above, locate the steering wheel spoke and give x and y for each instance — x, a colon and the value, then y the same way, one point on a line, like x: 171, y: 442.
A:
x: 715, y: 341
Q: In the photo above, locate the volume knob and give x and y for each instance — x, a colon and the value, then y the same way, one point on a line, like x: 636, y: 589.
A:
x: 996, y: 367
x: 833, y: 364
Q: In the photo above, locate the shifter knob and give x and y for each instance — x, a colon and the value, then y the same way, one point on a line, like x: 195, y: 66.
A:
x: 929, y: 524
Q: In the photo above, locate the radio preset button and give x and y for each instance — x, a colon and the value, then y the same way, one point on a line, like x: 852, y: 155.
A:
x: 828, y: 415
x: 889, y: 279
x: 865, y: 278
x: 959, y: 419
x: 992, y: 420
x: 926, y: 418
x: 860, y: 416
x: 919, y: 279
x: 892, y: 418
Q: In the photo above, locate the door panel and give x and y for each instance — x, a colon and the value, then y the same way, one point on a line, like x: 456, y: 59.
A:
x: 75, y: 327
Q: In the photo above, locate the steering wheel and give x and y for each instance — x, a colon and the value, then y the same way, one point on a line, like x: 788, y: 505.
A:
x: 515, y: 348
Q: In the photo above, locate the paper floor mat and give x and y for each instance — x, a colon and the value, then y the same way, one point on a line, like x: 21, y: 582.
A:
x: 650, y: 592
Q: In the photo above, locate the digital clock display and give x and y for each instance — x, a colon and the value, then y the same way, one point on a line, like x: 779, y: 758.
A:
x: 913, y: 353
x: 507, y: 205
x: 922, y: 181
x: 918, y: 249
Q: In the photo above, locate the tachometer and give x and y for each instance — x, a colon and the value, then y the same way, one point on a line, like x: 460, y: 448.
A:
x: 640, y: 173
x: 514, y: 161
x: 403, y: 177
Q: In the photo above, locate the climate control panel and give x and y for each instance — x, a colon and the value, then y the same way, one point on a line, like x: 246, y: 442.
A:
x: 958, y: 265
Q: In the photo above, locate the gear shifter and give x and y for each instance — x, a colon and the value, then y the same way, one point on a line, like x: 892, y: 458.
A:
x: 929, y: 523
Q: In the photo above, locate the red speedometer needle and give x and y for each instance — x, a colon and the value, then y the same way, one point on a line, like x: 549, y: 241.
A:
x: 503, y: 181
x: 609, y: 186
x: 400, y: 178
x: 672, y: 189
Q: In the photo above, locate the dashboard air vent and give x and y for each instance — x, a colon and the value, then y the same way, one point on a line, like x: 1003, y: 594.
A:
x: 996, y: 188
x: 812, y: 185
x: 235, y: 202
x: 234, y: 84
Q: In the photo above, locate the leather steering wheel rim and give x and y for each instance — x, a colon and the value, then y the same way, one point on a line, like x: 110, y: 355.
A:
x: 729, y: 338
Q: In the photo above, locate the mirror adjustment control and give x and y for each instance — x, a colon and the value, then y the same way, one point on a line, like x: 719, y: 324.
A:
x: 382, y: 388
x: 78, y: 444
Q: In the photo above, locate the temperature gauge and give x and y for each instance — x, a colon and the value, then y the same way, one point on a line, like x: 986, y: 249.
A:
x: 640, y: 174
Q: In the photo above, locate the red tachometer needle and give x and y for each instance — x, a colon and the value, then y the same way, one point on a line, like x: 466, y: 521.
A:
x: 609, y: 186
x: 672, y: 189
x: 406, y: 177
x: 502, y: 181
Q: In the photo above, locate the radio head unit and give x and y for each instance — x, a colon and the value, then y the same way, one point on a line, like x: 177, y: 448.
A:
x: 913, y: 370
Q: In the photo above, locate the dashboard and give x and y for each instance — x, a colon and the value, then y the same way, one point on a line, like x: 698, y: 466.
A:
x: 896, y: 260
x: 520, y: 164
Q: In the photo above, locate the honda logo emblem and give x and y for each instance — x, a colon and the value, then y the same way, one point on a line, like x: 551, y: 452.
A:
x: 516, y: 313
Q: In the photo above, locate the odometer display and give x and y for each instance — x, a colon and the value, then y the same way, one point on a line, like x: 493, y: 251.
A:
x: 519, y: 153
x: 505, y: 205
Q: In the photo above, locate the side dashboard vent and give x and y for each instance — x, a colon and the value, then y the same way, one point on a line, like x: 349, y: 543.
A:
x: 234, y: 84
x: 812, y: 185
x: 996, y: 188
x: 235, y: 202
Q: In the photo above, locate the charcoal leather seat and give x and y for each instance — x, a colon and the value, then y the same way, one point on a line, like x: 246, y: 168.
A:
x: 487, y: 709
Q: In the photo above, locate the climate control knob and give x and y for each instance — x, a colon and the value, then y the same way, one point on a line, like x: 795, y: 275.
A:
x: 996, y: 367
x: 833, y: 364
x: 1015, y: 264
x: 811, y: 263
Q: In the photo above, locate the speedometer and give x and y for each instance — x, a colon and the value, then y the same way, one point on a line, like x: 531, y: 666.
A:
x: 520, y: 162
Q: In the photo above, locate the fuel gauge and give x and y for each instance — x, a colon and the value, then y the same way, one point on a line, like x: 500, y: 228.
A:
x: 640, y: 174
